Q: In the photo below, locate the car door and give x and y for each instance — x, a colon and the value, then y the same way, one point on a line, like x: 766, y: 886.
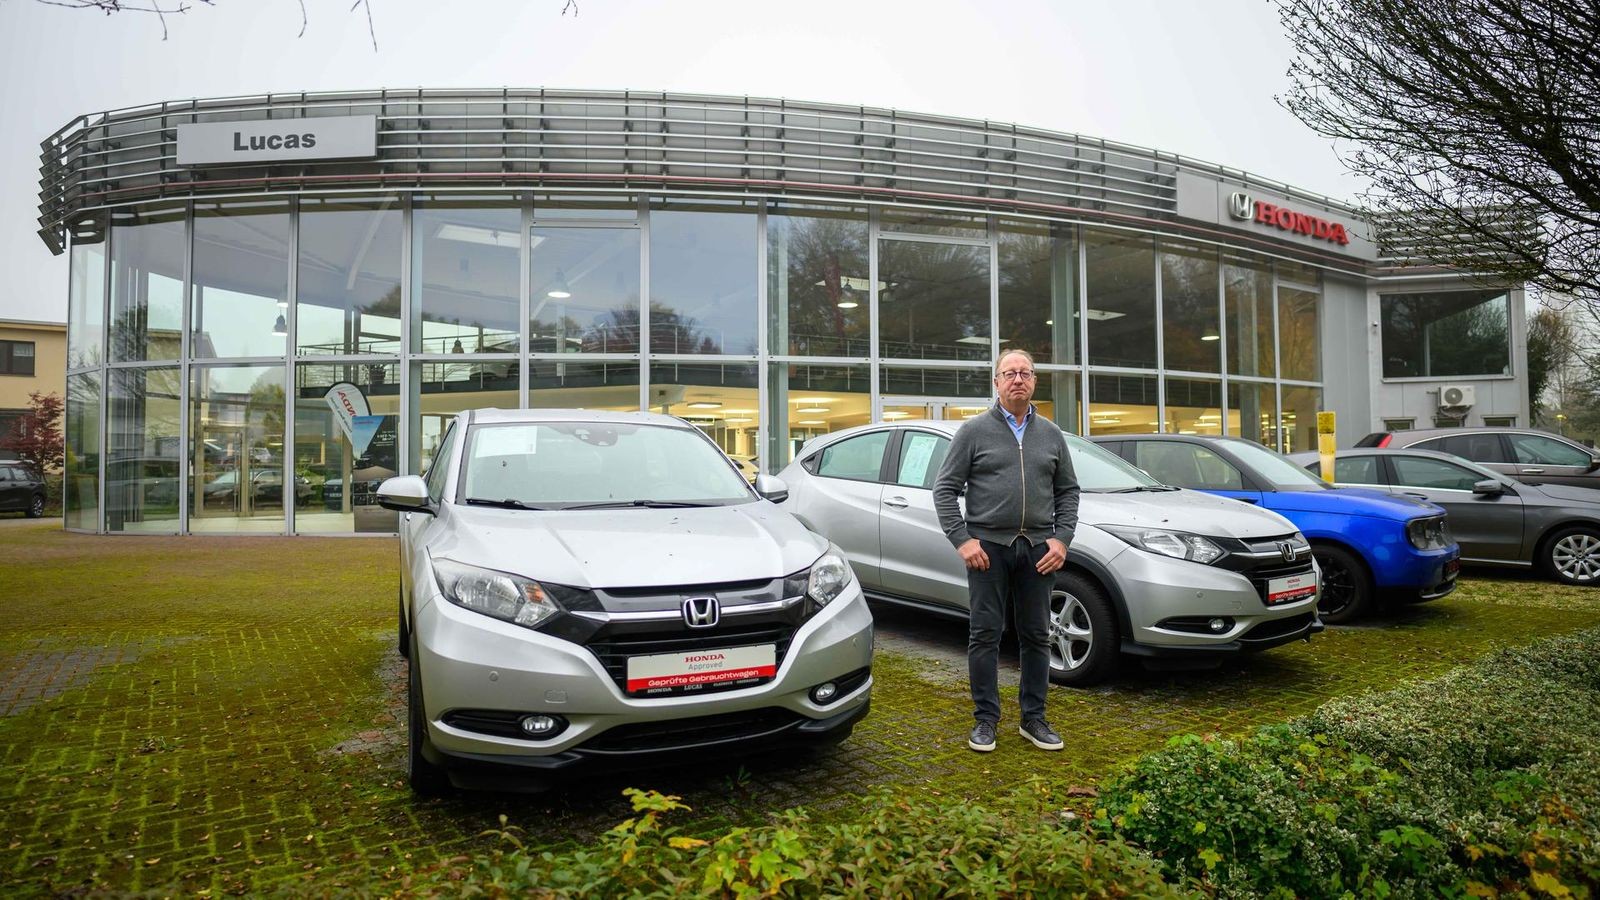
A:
x: 1192, y: 465
x: 1486, y: 448
x: 1544, y: 459
x: 846, y: 503
x: 917, y: 558
x: 10, y: 489
x: 1487, y: 526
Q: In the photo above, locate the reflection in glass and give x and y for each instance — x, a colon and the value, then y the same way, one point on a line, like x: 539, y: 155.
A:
x: 818, y: 290
x: 804, y: 401
x: 466, y: 276
x: 1190, y: 308
x: 718, y: 398
x: 586, y: 207
x: 237, y: 477
x: 702, y: 277
x: 937, y: 382
x: 144, y: 454
x: 346, y: 442
x: 440, y: 390
x: 241, y: 280
x: 1122, y: 404
x: 1194, y: 406
x: 1039, y: 291
x: 147, y: 285
x: 86, y: 314
x: 1253, y: 412
x: 1298, y: 341
x: 1247, y: 288
x: 349, y: 277
x: 1121, y: 277
x: 81, y: 476
x: 926, y: 221
x: 934, y: 301
x: 1063, y: 391
x: 584, y: 293
x: 583, y: 385
x: 1446, y: 334
x: 1300, y: 406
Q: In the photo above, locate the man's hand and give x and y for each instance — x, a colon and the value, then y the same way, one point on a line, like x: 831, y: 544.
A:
x: 972, y: 554
x: 1054, y: 558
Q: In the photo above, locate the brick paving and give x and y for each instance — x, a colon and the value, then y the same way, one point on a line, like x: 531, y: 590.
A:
x: 185, y: 716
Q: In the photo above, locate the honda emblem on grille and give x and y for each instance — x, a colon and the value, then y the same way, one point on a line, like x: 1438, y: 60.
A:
x: 701, y: 612
x: 1287, y: 548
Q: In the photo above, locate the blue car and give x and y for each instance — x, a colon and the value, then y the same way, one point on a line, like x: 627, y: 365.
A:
x: 1368, y: 543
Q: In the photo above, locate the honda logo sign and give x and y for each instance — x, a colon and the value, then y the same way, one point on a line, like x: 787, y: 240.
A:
x: 701, y: 612
x: 1241, y: 206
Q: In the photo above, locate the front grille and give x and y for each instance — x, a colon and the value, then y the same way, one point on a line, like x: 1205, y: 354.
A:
x: 1277, y: 628
x: 701, y: 730
x: 613, y: 650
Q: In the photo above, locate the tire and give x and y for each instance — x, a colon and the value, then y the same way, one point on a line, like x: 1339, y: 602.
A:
x: 427, y: 779
x: 403, y: 644
x: 1346, y: 585
x: 1572, y: 556
x: 35, y: 507
x: 1084, y: 645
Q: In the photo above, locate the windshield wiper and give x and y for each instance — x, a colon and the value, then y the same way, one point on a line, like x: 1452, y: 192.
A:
x: 1153, y: 488
x: 624, y: 504
x: 507, y: 503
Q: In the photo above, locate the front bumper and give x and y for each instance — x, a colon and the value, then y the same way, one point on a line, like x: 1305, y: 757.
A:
x: 1166, y: 598
x: 1424, y: 574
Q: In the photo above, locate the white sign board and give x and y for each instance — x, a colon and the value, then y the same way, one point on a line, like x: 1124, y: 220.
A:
x: 277, y: 140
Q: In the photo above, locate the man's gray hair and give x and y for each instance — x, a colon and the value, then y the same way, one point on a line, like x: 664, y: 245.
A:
x: 1016, y: 352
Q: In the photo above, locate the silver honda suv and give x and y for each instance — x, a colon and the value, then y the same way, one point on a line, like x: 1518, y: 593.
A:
x: 586, y: 588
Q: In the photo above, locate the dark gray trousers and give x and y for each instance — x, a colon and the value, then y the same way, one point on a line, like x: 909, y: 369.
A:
x: 1013, y: 580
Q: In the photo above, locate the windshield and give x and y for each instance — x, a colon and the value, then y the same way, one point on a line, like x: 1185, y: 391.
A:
x: 1100, y: 470
x: 559, y: 465
x: 1275, y: 469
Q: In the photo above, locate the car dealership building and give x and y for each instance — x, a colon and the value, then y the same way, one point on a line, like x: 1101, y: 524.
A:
x: 278, y: 301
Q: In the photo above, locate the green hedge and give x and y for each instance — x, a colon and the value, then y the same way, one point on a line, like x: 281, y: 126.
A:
x: 1484, y: 782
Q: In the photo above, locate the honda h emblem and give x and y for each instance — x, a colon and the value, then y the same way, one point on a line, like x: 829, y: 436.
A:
x: 1241, y: 206
x: 1287, y: 548
x: 701, y: 612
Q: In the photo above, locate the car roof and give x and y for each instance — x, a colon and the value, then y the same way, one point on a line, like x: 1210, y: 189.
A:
x: 496, y: 416
x: 1311, y: 455
x: 822, y: 440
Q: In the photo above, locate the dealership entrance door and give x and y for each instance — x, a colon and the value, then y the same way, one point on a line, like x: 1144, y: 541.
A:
x: 893, y: 408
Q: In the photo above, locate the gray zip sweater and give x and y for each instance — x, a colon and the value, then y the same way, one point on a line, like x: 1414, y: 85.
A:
x: 1027, y: 489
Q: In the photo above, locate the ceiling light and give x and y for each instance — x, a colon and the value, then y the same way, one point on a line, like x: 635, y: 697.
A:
x: 813, y: 401
x: 972, y: 340
x: 852, y: 283
x: 813, y: 409
x: 1101, y: 315
x: 705, y: 404
x: 560, y: 290
x: 1211, y: 334
x: 738, y: 421
x: 1049, y: 321
x: 896, y: 414
x: 812, y: 422
x: 472, y: 234
x: 739, y: 412
x: 847, y: 303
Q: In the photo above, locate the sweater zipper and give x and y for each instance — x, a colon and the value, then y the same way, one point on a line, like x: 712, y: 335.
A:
x: 1022, y: 466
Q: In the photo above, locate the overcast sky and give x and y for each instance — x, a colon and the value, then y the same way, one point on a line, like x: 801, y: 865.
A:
x: 1196, y: 79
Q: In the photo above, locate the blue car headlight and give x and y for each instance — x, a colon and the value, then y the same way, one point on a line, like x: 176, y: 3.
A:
x: 1431, y: 533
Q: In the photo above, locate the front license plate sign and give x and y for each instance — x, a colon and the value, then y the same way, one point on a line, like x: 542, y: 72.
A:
x: 1290, y: 588
x: 693, y: 670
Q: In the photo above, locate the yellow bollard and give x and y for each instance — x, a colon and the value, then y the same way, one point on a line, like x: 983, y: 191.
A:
x: 1326, y: 444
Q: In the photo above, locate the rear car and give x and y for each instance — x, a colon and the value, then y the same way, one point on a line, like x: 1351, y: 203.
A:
x: 21, y: 489
x: 1526, y: 454
x: 587, y: 590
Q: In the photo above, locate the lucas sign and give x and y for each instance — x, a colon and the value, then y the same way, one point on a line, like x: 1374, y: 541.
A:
x: 277, y: 140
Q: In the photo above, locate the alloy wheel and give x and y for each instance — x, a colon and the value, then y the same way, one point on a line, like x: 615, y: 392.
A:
x: 1577, y: 557
x: 1338, y: 589
x: 1071, y: 632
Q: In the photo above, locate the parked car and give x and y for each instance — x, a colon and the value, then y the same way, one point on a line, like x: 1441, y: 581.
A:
x: 266, y: 484
x: 1496, y: 519
x: 1152, y: 571
x: 1366, y: 541
x: 21, y: 489
x: 583, y: 588
x: 747, y: 467
x: 1526, y: 454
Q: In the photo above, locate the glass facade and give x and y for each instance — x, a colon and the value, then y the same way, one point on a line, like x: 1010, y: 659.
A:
x: 1445, y: 334
x: 271, y: 362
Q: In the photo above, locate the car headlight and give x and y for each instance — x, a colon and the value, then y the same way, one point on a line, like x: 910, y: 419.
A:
x: 1176, y: 544
x: 509, y: 598
x: 1431, y: 533
x: 825, y: 580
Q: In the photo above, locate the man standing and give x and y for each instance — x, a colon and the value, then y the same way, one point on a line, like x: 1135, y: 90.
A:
x: 1022, y: 507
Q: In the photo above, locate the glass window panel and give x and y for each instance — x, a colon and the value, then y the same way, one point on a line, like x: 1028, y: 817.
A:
x: 1194, y: 406
x: 584, y: 293
x: 1479, y: 448
x: 1121, y: 274
x: 1299, y: 332
x: 1420, y: 472
x: 86, y: 313
x: 345, y: 452
x: 1190, y: 308
x: 1253, y: 412
x: 81, y: 478
x: 921, y: 221
x: 937, y: 382
x: 1058, y: 394
x: 588, y: 385
x: 1299, y: 273
x: 857, y: 459
x: 1187, y: 466
x: 921, y: 455
x: 466, y: 276
x: 720, y: 399
x: 935, y: 300
x: 237, y: 477
x: 241, y: 280
x: 147, y: 285
x: 1445, y: 334
x: 804, y: 401
x: 1353, y: 470
x: 595, y: 207
x: 1122, y: 404
x: 1247, y: 288
x: 144, y: 453
x: 819, y: 295
x: 1300, y: 406
x: 349, y: 277
x: 1039, y: 291
x: 441, y: 390
x: 1534, y: 449
x: 702, y: 277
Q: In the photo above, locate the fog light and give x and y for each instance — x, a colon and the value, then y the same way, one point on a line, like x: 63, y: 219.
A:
x: 1217, y: 626
x: 539, y: 726
x: 824, y: 693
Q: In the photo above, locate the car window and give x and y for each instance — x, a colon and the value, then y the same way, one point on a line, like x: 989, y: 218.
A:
x: 1480, y: 448
x: 859, y: 458
x: 1421, y: 472
x: 437, y: 468
x: 5, y: 474
x: 1356, y: 470
x: 1187, y: 465
x: 921, y: 455
x: 1536, y: 449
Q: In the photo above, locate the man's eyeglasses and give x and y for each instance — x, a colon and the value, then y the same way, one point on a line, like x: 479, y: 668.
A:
x: 1017, y: 375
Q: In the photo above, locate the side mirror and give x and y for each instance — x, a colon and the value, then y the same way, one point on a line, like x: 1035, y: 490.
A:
x: 771, y: 487
x: 1594, y: 463
x: 404, y: 493
x: 1488, y: 486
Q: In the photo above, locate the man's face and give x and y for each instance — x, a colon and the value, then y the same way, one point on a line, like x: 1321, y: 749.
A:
x: 1015, y: 380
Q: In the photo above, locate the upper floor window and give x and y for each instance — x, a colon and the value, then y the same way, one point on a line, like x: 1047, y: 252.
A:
x: 1446, y: 333
x: 16, y: 357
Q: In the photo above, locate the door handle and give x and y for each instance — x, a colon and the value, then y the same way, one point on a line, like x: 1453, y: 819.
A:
x: 1533, y: 471
x: 896, y: 503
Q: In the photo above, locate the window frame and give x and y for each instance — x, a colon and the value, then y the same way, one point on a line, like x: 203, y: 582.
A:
x: 1510, y: 440
x: 892, y: 472
x: 891, y: 455
x: 9, y: 356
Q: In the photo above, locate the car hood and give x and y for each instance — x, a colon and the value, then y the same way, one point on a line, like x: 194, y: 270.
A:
x: 1352, y: 502
x: 613, y: 548
x: 1183, y: 510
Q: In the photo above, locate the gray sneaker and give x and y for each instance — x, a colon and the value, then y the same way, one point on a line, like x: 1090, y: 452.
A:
x: 982, y: 737
x: 1039, y: 731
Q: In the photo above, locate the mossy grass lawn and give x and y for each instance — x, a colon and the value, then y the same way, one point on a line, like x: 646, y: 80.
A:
x: 224, y: 715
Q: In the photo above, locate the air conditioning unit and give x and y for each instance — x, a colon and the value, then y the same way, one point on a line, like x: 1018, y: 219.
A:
x: 1457, y: 397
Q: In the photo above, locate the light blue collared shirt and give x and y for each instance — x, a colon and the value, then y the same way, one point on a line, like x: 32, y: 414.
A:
x: 1017, y: 428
